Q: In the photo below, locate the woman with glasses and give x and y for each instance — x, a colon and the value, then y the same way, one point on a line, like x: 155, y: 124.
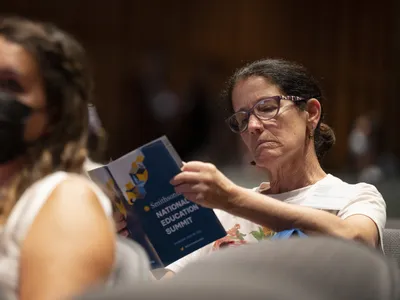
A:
x: 277, y: 111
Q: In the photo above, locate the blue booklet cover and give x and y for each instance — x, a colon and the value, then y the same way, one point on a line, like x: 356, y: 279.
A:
x: 166, y: 224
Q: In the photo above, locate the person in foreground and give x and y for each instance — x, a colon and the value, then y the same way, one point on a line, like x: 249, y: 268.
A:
x: 277, y: 110
x: 57, y: 234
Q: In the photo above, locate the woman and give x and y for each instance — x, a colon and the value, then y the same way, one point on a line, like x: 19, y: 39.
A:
x: 276, y: 109
x: 57, y: 235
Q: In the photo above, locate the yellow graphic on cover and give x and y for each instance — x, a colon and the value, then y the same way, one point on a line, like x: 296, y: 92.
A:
x: 135, y: 189
x: 118, y: 200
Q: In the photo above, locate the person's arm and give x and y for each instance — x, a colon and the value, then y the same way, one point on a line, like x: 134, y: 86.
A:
x: 205, y: 185
x: 69, y: 247
x: 279, y: 216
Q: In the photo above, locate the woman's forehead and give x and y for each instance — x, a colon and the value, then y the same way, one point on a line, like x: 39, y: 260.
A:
x: 15, y: 59
x: 250, y: 90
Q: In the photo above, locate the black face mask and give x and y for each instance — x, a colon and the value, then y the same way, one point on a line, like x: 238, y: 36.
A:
x: 13, y: 116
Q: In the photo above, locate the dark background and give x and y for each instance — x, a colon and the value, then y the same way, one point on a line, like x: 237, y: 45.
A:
x: 190, y: 47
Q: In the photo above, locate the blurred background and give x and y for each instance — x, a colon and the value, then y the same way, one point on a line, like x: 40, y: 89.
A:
x: 160, y: 65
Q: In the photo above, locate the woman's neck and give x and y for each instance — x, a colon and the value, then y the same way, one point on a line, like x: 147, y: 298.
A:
x: 295, y: 174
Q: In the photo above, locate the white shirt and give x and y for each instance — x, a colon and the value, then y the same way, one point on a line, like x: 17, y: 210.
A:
x: 14, y: 231
x: 330, y: 194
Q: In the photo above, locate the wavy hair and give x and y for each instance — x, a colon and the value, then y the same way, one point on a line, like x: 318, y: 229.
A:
x: 68, y: 86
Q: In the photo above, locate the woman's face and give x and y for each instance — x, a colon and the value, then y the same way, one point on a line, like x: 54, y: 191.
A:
x: 273, y: 141
x: 20, y: 76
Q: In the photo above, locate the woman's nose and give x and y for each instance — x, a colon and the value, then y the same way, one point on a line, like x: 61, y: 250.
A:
x: 254, y: 124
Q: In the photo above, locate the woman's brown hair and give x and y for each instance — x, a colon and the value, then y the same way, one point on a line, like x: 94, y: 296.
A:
x: 68, y: 85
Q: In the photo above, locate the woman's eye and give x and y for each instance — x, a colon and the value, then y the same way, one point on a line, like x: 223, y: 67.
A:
x: 267, y: 108
x: 10, y: 85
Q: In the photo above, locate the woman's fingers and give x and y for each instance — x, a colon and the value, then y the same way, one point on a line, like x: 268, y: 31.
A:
x: 120, y: 225
x: 184, y: 188
x: 193, y: 197
x: 197, y: 166
x: 185, y: 177
x: 120, y: 222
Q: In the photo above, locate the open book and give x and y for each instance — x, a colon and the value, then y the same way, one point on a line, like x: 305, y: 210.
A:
x: 166, y: 224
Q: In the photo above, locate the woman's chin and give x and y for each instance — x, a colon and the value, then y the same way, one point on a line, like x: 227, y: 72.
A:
x: 268, y: 157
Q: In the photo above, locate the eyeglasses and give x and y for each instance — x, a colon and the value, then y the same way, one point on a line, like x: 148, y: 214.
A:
x: 264, y: 109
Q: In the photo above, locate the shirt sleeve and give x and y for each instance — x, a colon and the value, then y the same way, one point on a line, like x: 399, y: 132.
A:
x: 368, y: 202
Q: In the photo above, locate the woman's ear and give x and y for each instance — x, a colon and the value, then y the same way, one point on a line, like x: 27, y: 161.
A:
x: 314, y: 112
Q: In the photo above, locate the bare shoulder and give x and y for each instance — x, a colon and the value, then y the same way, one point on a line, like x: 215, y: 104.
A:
x: 72, y: 206
x: 74, y: 185
x: 70, y: 244
x: 74, y: 192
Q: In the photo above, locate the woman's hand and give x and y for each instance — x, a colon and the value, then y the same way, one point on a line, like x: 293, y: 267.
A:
x: 205, y: 185
x: 120, y: 224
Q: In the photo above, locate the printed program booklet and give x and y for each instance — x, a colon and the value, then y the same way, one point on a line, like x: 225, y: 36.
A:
x: 167, y: 225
